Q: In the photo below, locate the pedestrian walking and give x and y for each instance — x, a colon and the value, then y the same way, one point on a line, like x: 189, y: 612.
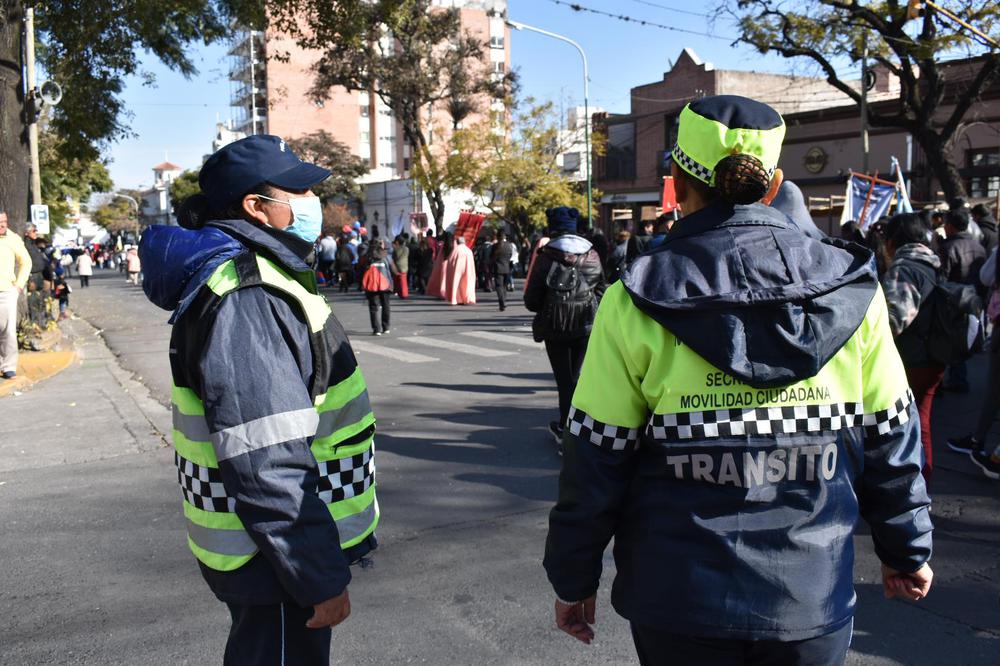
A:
x: 377, y: 283
x: 907, y: 284
x: 500, y: 260
x: 15, y: 268
x: 344, y: 263
x: 401, y: 257
x: 133, y: 265
x: 962, y: 256
x: 772, y: 410
x: 273, y: 426
x: 61, y: 291
x: 982, y: 215
x: 424, y: 264
x: 565, y: 284
x: 84, y: 268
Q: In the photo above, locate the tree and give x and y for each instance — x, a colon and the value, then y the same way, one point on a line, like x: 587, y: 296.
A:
x: 67, y: 179
x: 412, y: 56
x: 117, y: 216
x: 831, y: 31
x: 513, y: 173
x: 89, y: 47
x: 182, y: 187
x: 345, y: 167
x: 335, y: 216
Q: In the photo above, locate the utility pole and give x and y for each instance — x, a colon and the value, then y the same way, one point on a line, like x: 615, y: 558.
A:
x: 31, y: 103
x: 864, y: 103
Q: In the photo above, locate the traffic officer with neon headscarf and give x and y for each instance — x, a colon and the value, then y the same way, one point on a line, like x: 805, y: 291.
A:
x: 273, y: 429
x: 740, y: 406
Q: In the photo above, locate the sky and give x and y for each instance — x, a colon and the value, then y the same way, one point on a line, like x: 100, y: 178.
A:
x: 175, y: 118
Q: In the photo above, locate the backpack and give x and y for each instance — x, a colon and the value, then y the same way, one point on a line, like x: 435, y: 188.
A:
x: 954, y: 322
x: 374, y: 278
x: 569, y: 307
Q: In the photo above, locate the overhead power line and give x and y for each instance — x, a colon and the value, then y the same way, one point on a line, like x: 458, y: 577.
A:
x: 631, y: 19
x: 671, y: 9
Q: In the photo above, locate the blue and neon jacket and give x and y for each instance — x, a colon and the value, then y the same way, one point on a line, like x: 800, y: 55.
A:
x: 741, y: 405
x: 248, y: 360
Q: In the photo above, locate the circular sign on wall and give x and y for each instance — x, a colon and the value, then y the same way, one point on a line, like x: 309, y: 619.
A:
x: 815, y: 160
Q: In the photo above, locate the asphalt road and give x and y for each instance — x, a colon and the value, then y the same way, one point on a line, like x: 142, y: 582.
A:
x: 96, y: 570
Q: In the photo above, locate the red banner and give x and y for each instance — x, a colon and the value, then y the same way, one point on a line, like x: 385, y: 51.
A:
x: 669, y: 204
x: 468, y: 226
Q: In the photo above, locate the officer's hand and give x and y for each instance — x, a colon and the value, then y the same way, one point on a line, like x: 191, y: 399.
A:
x: 913, y: 586
x: 575, y: 619
x: 331, y: 612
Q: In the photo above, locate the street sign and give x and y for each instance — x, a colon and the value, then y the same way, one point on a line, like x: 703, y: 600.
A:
x: 40, y: 218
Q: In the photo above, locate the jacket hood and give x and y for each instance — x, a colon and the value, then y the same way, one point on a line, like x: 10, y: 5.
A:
x: 176, y: 262
x: 749, y: 292
x: 790, y: 201
x: 917, y: 252
x: 569, y: 244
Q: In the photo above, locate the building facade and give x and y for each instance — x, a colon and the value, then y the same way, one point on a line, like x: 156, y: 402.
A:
x: 155, y: 206
x: 271, y: 77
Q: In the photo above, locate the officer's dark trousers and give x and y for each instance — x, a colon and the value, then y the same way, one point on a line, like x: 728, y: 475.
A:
x: 566, y: 359
x: 275, y: 636
x: 658, y: 648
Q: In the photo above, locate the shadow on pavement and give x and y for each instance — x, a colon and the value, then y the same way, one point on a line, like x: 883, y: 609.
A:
x: 479, y: 388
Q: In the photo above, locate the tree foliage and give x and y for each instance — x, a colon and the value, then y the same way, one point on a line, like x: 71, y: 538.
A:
x: 345, y: 167
x: 116, y: 216
x: 67, y: 181
x: 514, y: 173
x: 90, y: 47
x: 182, y: 187
x: 933, y: 103
x: 412, y: 56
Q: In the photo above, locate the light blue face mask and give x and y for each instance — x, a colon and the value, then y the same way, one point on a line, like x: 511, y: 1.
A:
x: 307, y: 215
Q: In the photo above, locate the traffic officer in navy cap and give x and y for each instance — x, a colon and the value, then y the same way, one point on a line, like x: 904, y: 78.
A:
x: 273, y: 429
x: 740, y: 407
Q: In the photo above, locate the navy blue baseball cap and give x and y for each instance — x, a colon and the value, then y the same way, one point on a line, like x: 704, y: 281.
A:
x: 241, y: 166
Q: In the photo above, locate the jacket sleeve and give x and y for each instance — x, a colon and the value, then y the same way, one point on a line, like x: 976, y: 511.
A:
x: 892, y: 494
x: 903, y: 297
x: 254, y: 373
x: 988, y: 272
x: 534, y: 290
x: 599, y: 454
x: 22, y: 264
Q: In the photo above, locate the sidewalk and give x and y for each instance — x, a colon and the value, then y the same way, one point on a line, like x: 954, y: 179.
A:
x: 76, y: 405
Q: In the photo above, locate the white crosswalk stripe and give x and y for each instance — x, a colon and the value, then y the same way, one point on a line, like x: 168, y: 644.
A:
x: 391, y: 352
x: 458, y: 347
x: 508, y: 338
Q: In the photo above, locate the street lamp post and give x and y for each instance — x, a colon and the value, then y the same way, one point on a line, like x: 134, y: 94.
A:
x: 586, y: 103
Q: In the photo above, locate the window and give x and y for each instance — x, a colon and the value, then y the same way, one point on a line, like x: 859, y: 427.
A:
x: 496, y: 42
x: 365, y: 138
x: 984, y: 168
x: 499, y: 67
x: 619, y: 158
x: 365, y: 110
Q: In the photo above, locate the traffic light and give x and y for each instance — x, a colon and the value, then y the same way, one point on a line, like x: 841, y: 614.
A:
x: 914, y: 9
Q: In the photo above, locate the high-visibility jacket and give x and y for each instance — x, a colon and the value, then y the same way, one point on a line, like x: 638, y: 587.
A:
x: 740, y: 406
x: 342, y: 445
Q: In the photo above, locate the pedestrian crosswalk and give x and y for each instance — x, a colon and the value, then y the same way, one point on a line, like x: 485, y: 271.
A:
x: 402, y: 349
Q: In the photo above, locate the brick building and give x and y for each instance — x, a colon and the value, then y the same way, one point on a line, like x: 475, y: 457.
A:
x: 822, y: 143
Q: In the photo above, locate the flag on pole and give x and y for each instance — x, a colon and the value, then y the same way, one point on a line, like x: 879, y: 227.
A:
x: 903, y: 205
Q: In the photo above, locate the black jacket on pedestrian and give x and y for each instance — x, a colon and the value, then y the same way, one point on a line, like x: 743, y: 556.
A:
x: 990, y: 235
x: 574, y: 319
x: 500, y: 257
x: 961, y: 258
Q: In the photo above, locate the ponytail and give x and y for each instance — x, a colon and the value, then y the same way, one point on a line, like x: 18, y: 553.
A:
x: 741, y: 179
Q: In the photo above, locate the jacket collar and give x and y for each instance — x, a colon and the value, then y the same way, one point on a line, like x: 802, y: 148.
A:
x: 719, y: 215
x: 283, y: 248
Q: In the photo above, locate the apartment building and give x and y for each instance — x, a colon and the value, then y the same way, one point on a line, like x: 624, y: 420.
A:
x: 271, y: 77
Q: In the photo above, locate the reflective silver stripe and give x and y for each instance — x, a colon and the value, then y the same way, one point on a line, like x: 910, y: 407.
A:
x: 222, y: 542
x: 263, y: 432
x: 194, y: 428
x: 351, y: 527
x: 335, y: 419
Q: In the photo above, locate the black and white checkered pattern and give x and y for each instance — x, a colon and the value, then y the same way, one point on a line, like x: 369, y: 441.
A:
x: 777, y: 421
x: 700, y: 171
x: 202, y: 486
x: 605, y: 435
x: 881, y: 422
x: 347, y: 477
x: 689, y: 165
